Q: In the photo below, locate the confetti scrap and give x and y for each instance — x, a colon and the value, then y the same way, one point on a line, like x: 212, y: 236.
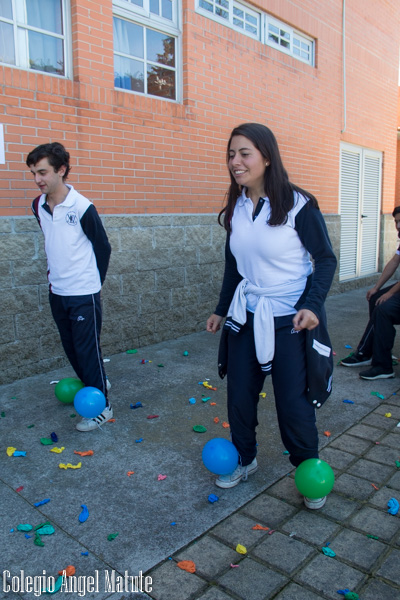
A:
x: 10, y: 450
x: 285, y: 452
x: 328, y: 552
x: 260, y: 527
x: 187, y: 565
x: 84, y: 453
x: 213, y: 498
x: 192, y: 400
x: 241, y: 549
x: 54, y: 437
x: 131, y: 351
x: 68, y: 571
x: 215, y: 404
x: 161, y: 477
x: 84, y: 553
x: 263, y: 394
x: 348, y: 401
x: 327, y: 433
x: 47, y: 529
x: 46, y: 441
x: 348, y: 346
x: 24, y: 527
x: 351, y: 596
x: 57, y: 585
x: 112, y: 536
x: 374, y: 486
x: 152, y: 416
x: 42, y: 502
x: 271, y: 531
x: 69, y: 466
x: 160, y: 365
x: 388, y: 415
x: 20, y: 488
x: 234, y: 566
x: 84, y: 514
x: 199, y: 428
x: 398, y: 464
x: 393, y: 506
x: 138, y: 441
x: 373, y: 537
x: 225, y: 425
x: 378, y: 395
x: 206, y: 399
x: 137, y: 405
x: 20, y: 453
x: 216, y: 419
x: 58, y: 450
x: 129, y: 473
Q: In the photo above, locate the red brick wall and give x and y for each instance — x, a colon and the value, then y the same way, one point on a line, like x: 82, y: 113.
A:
x: 133, y: 154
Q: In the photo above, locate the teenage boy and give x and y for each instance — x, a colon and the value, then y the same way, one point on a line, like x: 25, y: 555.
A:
x: 375, y: 347
x: 78, y: 253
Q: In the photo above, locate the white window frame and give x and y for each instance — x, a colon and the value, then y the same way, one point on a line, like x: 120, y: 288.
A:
x: 230, y: 19
x: 127, y: 10
x: 292, y: 35
x: 263, y: 22
x: 21, y: 44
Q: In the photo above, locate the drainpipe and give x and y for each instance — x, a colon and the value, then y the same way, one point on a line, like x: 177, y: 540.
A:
x: 344, y: 65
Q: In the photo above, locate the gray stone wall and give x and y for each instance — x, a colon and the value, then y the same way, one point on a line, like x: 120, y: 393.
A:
x: 163, y: 282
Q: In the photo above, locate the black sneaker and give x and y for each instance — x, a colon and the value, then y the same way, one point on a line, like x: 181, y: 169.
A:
x: 376, y: 373
x: 355, y: 359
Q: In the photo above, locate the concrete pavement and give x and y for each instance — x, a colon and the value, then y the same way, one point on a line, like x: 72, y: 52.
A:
x: 163, y: 520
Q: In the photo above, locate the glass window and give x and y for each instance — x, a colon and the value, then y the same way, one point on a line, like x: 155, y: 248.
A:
x: 145, y: 47
x: 32, y: 34
x: 237, y: 15
x: 139, y: 49
x: 286, y: 39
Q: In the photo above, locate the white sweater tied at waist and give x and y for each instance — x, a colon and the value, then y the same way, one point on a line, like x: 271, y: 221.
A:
x: 264, y: 329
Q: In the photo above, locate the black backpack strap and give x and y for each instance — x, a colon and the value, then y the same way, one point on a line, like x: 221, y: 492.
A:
x: 35, y: 208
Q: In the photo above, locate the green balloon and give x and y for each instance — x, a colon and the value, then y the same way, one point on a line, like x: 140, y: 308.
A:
x: 314, y: 478
x: 67, y: 388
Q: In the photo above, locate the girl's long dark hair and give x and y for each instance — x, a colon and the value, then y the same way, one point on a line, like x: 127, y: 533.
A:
x: 278, y: 188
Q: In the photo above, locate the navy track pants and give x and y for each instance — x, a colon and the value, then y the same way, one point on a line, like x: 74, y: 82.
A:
x: 378, y: 338
x: 296, y: 416
x: 79, y: 319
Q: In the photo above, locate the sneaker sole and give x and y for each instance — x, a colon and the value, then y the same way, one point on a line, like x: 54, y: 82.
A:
x: 315, y: 505
x: 230, y: 484
x: 383, y: 376
x: 365, y: 363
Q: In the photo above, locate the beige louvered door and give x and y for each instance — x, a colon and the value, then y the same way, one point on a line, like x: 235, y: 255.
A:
x: 360, y: 201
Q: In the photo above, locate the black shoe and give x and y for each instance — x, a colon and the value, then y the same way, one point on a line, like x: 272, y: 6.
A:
x: 355, y: 359
x: 376, y: 373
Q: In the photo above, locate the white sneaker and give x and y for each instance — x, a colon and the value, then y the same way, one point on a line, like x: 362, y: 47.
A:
x: 108, y: 384
x: 239, y: 474
x: 89, y: 424
x: 314, y: 503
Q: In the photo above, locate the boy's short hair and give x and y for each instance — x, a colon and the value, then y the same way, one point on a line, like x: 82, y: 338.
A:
x: 396, y: 211
x: 56, y: 154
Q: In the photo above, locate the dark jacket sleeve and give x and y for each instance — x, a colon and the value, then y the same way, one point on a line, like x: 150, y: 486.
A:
x: 94, y: 230
x: 313, y: 234
x: 230, y: 281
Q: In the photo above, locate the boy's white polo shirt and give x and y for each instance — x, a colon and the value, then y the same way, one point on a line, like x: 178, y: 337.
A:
x: 72, y: 266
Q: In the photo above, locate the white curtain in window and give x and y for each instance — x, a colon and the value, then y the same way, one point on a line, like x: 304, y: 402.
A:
x: 45, y: 14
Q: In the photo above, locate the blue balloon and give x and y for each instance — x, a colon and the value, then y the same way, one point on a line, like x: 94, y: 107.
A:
x: 220, y: 456
x: 89, y: 402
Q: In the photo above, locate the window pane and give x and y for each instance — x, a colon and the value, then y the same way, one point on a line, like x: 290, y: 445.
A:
x: 160, y: 48
x: 273, y: 38
x: 161, y: 82
x: 7, y: 51
x: 128, y: 74
x: 6, y: 9
x: 237, y: 12
x: 167, y: 9
x: 251, y: 29
x: 221, y: 13
x: 128, y: 38
x: 45, y: 53
x: 45, y: 14
x: 206, y: 5
x: 251, y: 19
x: 155, y: 7
x: 273, y: 28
